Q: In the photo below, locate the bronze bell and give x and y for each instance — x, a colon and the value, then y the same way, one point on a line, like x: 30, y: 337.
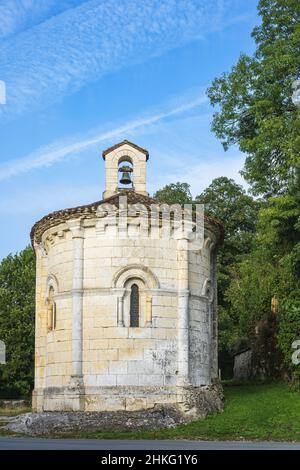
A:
x: 125, y: 178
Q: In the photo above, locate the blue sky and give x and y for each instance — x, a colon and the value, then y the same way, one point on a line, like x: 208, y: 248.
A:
x: 83, y: 75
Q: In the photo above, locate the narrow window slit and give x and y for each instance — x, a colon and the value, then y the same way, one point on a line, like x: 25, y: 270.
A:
x: 134, y: 306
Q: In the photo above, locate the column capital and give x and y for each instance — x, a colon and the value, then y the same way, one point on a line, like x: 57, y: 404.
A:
x: 119, y: 291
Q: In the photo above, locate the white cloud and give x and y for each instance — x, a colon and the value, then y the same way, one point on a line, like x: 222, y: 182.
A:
x: 47, y: 156
x: 200, y: 175
x: 12, y: 15
x: 18, y: 15
x: 58, y: 56
x: 182, y: 149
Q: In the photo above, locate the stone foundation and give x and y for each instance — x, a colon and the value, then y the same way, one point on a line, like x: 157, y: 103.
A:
x: 193, y: 402
x: 113, y: 409
x: 49, y: 423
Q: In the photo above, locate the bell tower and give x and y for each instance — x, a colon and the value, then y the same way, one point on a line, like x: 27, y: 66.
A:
x: 125, y: 168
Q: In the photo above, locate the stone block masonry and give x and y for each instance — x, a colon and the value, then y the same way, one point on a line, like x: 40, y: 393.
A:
x: 123, y: 322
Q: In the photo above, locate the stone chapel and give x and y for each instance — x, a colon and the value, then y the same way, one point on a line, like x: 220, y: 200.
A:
x: 124, y: 320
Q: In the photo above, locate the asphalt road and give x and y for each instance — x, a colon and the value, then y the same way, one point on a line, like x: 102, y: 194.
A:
x: 21, y: 443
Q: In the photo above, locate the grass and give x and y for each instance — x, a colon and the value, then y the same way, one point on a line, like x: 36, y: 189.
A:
x: 13, y: 412
x: 252, y: 412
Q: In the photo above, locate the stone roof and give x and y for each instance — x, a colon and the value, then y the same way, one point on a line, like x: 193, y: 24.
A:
x: 124, y: 142
x: 89, y: 210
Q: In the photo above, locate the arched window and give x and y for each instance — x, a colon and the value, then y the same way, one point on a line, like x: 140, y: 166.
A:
x: 134, y: 306
x: 51, y: 310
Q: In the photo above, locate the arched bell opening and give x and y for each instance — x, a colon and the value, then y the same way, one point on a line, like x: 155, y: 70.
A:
x: 125, y: 172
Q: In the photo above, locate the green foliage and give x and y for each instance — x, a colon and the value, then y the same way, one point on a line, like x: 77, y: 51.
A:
x: 278, y: 226
x: 17, y: 300
x: 249, y: 295
x: 289, y: 331
x: 255, y: 100
x: 228, y: 202
x: 270, y: 269
x: 174, y: 193
x: 255, y: 111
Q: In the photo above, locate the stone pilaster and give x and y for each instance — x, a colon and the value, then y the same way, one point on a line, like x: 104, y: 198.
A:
x: 214, y: 314
x: 40, y: 369
x: 183, y: 312
x: 148, y: 310
x: 75, y: 391
x: 120, y: 306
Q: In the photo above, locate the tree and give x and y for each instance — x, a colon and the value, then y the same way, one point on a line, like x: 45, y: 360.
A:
x: 279, y: 234
x: 174, y: 193
x: 17, y: 306
x: 256, y: 110
x: 270, y: 270
x: 229, y: 203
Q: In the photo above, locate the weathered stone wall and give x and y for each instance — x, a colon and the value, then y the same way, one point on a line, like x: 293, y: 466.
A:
x: 93, y: 360
x: 201, y: 315
x: 242, y: 369
x: 88, y: 357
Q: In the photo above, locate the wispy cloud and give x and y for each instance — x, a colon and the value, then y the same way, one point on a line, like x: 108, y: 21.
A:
x: 190, y: 153
x: 47, y: 156
x: 18, y: 15
x: 199, y: 175
x: 59, y: 56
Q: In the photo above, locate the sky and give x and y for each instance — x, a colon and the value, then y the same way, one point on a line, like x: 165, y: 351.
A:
x: 80, y: 76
